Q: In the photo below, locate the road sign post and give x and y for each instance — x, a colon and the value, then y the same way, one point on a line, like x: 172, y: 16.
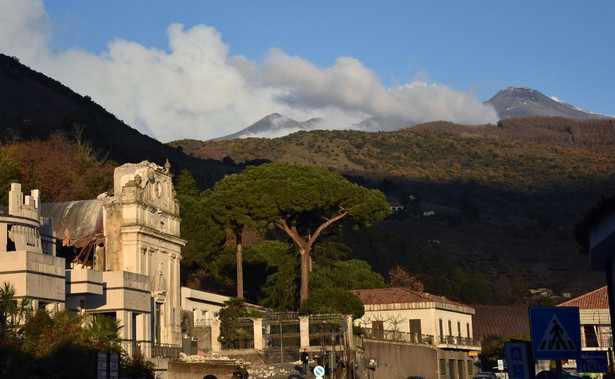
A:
x: 556, y: 332
x: 520, y: 362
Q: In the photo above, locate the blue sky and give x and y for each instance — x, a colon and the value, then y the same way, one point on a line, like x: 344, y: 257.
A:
x: 220, y: 66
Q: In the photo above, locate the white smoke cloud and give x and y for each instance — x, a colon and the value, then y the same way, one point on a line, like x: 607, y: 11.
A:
x: 24, y: 28
x: 196, y: 90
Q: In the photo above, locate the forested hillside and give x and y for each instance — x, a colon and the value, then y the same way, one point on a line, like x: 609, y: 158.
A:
x: 63, y: 168
x: 519, y: 155
x: 504, y: 198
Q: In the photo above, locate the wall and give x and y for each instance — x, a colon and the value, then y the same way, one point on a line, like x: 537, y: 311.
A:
x: 399, y: 360
x: 35, y: 275
x: 458, y: 364
x: 202, y: 335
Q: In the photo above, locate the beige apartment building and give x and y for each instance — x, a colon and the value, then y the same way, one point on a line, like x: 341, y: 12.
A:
x: 434, y: 334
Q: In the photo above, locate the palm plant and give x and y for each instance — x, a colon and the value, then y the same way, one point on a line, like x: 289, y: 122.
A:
x: 104, y: 332
x: 13, y: 311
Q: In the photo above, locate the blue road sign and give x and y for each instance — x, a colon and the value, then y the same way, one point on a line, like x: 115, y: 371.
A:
x: 519, y: 363
x: 593, y: 361
x: 556, y: 332
x: 319, y: 371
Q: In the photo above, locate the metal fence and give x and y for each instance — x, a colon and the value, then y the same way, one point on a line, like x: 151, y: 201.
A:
x: 166, y: 351
x: 326, y: 330
x: 281, y: 337
x: 243, y: 336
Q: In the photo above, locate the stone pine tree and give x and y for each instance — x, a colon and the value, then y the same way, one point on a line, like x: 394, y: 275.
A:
x: 236, y: 205
x: 204, y: 235
x: 301, y: 201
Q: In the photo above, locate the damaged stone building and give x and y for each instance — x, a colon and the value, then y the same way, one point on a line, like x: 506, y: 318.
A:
x: 117, y: 255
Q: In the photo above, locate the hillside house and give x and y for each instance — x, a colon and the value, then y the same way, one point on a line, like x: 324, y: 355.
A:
x: 596, y: 235
x: 439, y: 331
x: 595, y: 319
x: 396, y: 207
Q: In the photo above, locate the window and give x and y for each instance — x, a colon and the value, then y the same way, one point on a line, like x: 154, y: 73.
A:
x: 606, y: 337
x: 591, y: 340
x: 468, y: 330
x: 158, y: 321
x: 450, y: 328
x: 443, y: 367
x: 134, y: 330
x: 415, y: 330
x: 452, y: 368
x: 441, y: 331
x: 378, y: 329
x: 458, y: 329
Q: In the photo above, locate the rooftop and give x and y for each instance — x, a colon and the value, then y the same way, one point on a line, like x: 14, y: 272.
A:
x: 500, y: 320
x: 597, y: 299
x: 399, y: 295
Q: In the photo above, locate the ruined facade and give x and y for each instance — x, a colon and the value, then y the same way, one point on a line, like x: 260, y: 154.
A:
x: 117, y: 255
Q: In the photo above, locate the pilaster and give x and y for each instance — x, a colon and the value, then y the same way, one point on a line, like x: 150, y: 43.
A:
x: 215, y: 333
x: 258, y: 333
x: 304, y: 331
x: 349, y: 333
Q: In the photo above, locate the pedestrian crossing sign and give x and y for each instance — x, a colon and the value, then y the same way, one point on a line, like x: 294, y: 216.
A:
x: 556, y: 332
x: 520, y: 363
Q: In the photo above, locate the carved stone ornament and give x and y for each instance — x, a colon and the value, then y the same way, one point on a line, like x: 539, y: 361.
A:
x: 159, y: 286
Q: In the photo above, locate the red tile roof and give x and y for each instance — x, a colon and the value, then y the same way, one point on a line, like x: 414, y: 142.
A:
x: 500, y: 320
x: 399, y: 295
x: 597, y: 299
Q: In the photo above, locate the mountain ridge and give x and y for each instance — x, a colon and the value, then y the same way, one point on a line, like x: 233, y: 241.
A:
x: 521, y: 102
x: 272, y: 125
x: 512, y: 102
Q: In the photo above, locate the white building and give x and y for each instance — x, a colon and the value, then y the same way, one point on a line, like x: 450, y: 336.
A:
x: 400, y: 314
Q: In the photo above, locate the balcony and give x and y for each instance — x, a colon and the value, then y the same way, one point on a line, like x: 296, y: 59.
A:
x: 392, y: 335
x: 457, y: 341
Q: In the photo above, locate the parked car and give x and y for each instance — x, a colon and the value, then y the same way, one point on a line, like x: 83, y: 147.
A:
x: 485, y: 375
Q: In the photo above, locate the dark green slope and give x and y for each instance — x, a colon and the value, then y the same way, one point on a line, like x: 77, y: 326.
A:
x: 505, y: 197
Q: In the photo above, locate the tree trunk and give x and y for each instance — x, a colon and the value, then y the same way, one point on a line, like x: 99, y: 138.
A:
x: 305, y: 273
x: 305, y: 247
x: 238, y: 239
